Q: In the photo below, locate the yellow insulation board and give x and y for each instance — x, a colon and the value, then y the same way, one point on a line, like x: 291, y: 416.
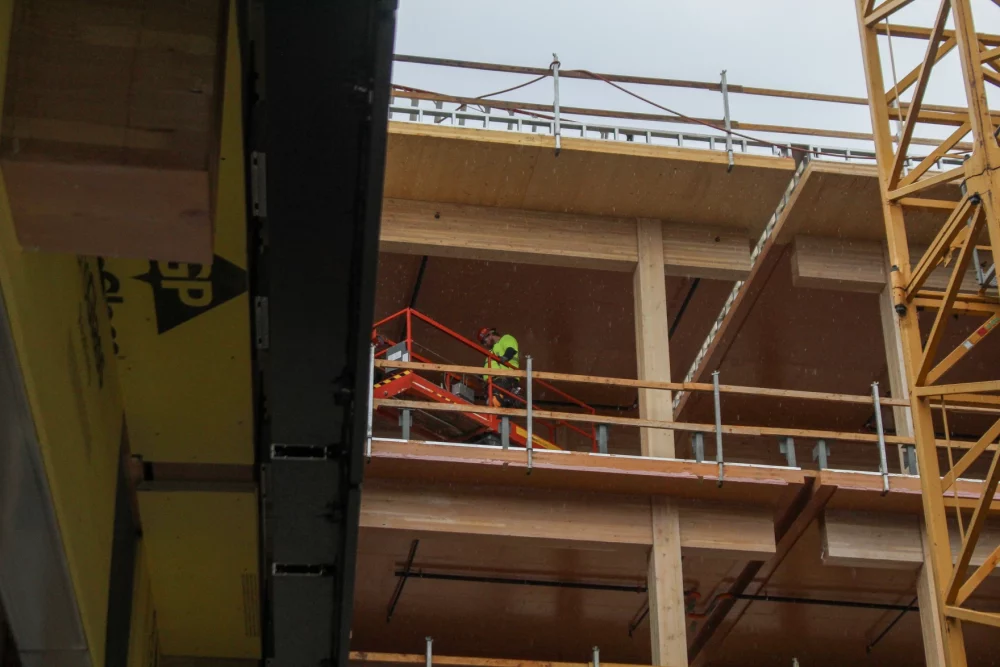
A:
x: 144, y: 642
x: 202, y: 549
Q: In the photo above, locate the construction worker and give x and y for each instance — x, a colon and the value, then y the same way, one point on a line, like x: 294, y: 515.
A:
x: 504, y: 347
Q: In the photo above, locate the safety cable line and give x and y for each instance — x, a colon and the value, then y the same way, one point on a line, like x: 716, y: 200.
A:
x: 698, y: 121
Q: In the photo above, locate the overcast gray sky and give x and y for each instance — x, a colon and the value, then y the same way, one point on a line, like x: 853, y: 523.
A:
x: 806, y: 45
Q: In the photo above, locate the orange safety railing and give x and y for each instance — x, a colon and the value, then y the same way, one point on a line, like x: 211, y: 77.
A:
x: 412, y: 316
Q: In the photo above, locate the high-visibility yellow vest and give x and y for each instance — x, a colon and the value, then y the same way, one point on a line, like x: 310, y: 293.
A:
x: 501, y: 346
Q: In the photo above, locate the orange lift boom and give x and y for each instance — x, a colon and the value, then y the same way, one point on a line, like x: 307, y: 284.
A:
x: 455, y: 389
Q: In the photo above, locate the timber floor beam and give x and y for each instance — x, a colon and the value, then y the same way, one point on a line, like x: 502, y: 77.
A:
x: 885, y: 540
x: 581, y: 471
x: 855, y: 266
x: 556, y: 239
x: 718, y: 529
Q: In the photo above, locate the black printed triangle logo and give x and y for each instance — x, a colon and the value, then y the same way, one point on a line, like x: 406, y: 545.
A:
x: 182, y: 291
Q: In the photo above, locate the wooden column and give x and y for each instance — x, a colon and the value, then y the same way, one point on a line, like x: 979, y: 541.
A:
x: 666, y: 586
x: 927, y: 599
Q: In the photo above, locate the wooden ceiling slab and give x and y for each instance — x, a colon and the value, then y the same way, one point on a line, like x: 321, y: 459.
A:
x: 520, y: 171
x: 842, y: 200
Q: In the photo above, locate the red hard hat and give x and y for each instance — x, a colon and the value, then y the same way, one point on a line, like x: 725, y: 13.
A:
x: 483, y: 333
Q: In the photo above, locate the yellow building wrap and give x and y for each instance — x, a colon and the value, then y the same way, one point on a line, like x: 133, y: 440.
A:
x: 62, y: 334
x: 182, y: 339
x: 174, y: 360
x: 202, y: 554
x: 144, y: 643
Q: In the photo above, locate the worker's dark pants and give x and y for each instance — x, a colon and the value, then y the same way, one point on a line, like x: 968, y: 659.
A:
x: 513, y: 385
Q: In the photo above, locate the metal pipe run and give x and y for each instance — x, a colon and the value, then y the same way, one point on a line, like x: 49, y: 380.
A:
x: 852, y: 604
x: 544, y: 583
x: 683, y: 307
x: 778, y: 599
x: 402, y: 581
x: 892, y: 624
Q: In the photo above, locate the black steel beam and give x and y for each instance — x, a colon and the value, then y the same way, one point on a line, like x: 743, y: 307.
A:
x: 317, y: 93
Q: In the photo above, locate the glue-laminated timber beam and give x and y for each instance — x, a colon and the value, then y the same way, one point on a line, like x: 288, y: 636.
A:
x: 885, y: 540
x: 667, y: 611
x: 718, y: 529
x: 856, y: 266
x: 580, y: 471
x: 554, y: 239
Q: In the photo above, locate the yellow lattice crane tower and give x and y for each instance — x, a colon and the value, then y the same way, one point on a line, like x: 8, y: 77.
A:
x: 967, y: 226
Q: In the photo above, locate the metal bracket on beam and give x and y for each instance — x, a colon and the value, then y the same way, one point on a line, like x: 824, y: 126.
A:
x: 261, y: 322
x: 728, y: 121
x: 406, y: 421
x: 883, y: 466
x: 910, y: 460
x: 505, y: 431
x: 597, y: 656
x: 293, y: 452
x: 787, y: 447
x: 698, y: 446
x: 602, y: 438
x: 429, y: 655
x: 258, y: 183
x: 821, y: 454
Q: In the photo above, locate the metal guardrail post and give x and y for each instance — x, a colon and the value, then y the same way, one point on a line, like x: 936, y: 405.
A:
x: 698, y: 446
x: 597, y: 656
x: 729, y: 128
x: 883, y: 467
x: 530, y: 425
x: 555, y: 103
x: 505, y: 431
x: 429, y: 656
x: 371, y: 402
x: 718, y: 425
x: 406, y: 420
x: 787, y: 447
x: 821, y: 454
x: 910, y: 460
x: 602, y: 438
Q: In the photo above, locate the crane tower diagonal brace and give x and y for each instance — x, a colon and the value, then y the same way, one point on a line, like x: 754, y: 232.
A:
x: 970, y: 227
